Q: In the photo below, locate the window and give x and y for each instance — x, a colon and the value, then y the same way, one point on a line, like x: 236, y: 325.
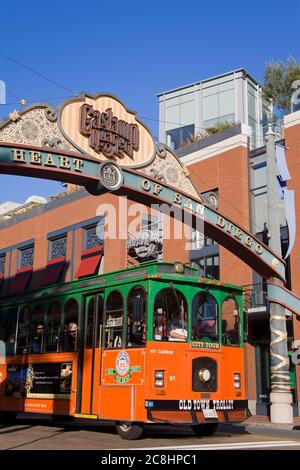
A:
x: 204, y: 318
x: 170, y: 316
x: 218, y: 104
x: 26, y: 255
x: 136, y: 318
x: 209, y: 241
x: 52, y: 340
x: 93, y: 236
x: 114, y: 320
x: 212, y: 267
x: 70, y: 334
x: 176, y: 137
x: 197, y: 240
x: 23, y: 331
x: 37, y: 330
x: 92, y: 250
x: 230, y: 322
x: 2, y: 265
x: 21, y: 280
x: 94, y: 322
x: 90, y: 323
x: 8, y: 323
x: 209, y: 266
x: 56, y: 260
x: 57, y: 247
x: 252, y: 102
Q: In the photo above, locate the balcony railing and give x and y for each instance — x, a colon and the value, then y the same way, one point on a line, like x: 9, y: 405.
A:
x: 255, y: 296
x: 258, y: 135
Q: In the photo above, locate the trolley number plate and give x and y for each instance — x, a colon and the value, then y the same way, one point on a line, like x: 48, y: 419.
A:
x: 210, y: 413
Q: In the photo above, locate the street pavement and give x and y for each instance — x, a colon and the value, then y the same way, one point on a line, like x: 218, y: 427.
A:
x: 44, y: 434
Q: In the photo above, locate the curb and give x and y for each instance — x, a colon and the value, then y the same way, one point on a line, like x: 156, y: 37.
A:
x: 283, y: 430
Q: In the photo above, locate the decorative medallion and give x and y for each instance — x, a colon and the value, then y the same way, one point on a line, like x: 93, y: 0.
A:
x: 123, y: 372
x: 111, y: 176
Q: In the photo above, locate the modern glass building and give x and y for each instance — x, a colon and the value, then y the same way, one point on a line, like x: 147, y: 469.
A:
x: 233, y: 97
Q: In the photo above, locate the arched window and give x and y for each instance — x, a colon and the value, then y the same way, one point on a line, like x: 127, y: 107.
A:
x: 170, y: 316
x: 136, y: 318
x: 204, y: 318
x: 37, y: 329
x: 99, y: 323
x: 52, y: 340
x: 94, y: 322
x: 23, y: 331
x: 70, y: 334
x: 230, y: 322
x: 90, y: 323
x: 114, y: 320
x: 8, y: 323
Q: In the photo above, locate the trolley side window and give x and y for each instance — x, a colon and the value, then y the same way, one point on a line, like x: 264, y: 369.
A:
x: 114, y: 320
x: 53, y: 330
x: 37, y: 329
x: 136, y: 318
x: 170, y: 316
x: 204, y: 318
x: 90, y: 323
x: 8, y: 324
x: 70, y: 334
x: 230, y: 322
x: 23, y: 331
x: 93, y: 317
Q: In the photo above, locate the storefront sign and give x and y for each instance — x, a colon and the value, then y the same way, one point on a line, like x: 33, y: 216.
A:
x: 105, y: 129
x: 146, y: 244
x: 108, y: 134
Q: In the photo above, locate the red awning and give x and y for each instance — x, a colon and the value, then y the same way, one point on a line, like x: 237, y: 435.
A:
x: 53, y: 271
x: 20, y: 281
x: 90, y: 262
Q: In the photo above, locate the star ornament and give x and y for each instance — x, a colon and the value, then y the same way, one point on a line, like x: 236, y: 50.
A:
x: 15, y: 115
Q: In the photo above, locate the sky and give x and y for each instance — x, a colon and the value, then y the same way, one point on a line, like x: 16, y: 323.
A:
x: 133, y: 50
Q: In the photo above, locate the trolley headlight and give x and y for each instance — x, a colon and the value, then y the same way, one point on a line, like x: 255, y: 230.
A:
x: 204, y: 375
x: 159, y: 378
x: 237, y: 380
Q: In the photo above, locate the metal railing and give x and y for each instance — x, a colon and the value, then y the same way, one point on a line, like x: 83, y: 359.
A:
x: 255, y: 296
x: 258, y: 135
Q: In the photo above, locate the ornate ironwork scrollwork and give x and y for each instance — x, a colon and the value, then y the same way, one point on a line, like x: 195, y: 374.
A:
x: 51, y: 113
x: 161, y: 151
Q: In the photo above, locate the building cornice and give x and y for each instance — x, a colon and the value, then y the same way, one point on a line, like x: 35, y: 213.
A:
x: 292, y: 119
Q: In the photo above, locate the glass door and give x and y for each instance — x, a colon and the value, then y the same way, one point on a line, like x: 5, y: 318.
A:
x: 93, y: 324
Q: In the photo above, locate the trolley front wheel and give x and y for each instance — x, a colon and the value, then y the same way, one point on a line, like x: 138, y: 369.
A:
x: 205, y: 429
x: 129, y: 431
